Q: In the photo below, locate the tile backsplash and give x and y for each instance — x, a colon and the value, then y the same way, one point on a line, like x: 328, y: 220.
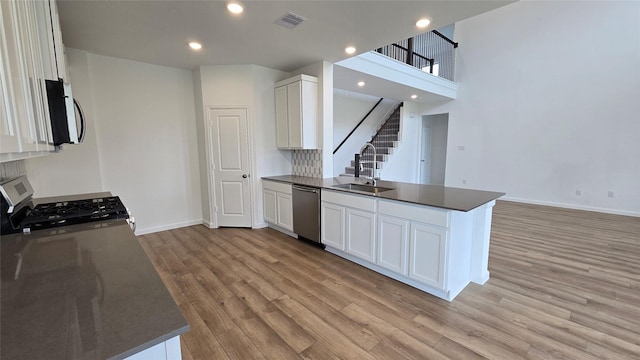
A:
x: 12, y: 169
x: 307, y: 163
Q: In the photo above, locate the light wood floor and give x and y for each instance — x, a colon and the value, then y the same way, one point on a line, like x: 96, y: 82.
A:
x: 564, y: 284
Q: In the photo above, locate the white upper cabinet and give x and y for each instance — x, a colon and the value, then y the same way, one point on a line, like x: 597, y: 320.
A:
x: 28, y: 56
x: 297, y: 113
x: 56, y: 62
x: 9, y: 136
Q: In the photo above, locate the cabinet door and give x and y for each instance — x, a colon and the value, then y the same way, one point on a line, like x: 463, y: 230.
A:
x: 46, y: 26
x: 60, y: 53
x: 270, y: 206
x: 361, y: 234
x: 309, y: 114
x: 285, y: 211
x: 282, y: 123
x: 9, y: 140
x: 20, y: 113
x: 34, y: 57
x: 294, y: 111
x: 393, y: 238
x: 427, y: 252
x: 332, y: 233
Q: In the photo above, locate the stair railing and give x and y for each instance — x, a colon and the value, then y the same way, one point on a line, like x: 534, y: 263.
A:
x: 356, y: 127
x: 368, y: 157
x: 431, y: 52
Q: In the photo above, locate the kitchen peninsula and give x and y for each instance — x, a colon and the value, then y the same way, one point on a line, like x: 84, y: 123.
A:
x: 432, y: 237
x: 85, y: 291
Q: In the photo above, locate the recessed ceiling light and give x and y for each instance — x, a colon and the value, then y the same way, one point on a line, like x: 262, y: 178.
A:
x: 195, y: 45
x: 235, y: 7
x: 350, y: 50
x: 361, y: 83
x: 414, y: 96
x: 423, y: 23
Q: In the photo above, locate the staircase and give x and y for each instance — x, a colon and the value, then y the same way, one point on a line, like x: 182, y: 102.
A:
x: 385, y: 140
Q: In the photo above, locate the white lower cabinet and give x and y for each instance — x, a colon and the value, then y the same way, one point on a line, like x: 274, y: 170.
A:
x: 332, y: 220
x: 427, y: 254
x: 349, y: 223
x: 393, y: 240
x: 285, y: 210
x: 269, y: 202
x: 361, y: 233
x: 407, y: 242
x: 278, y: 205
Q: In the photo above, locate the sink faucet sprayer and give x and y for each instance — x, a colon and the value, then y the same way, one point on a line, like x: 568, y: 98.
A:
x: 373, y: 171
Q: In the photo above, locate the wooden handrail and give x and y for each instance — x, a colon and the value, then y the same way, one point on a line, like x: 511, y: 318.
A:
x: 360, y: 123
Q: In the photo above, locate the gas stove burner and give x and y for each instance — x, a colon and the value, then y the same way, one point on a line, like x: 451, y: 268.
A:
x: 20, y: 215
x: 44, y: 216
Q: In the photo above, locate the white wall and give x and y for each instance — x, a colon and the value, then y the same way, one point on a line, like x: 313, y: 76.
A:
x: 403, y: 162
x: 548, y: 104
x: 348, y: 109
x: 251, y: 87
x: 268, y: 159
x: 143, y: 120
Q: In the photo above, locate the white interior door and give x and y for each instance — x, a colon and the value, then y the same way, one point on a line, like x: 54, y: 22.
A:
x: 425, y: 155
x: 229, y: 154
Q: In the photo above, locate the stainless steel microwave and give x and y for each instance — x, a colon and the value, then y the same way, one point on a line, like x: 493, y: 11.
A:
x: 67, y: 118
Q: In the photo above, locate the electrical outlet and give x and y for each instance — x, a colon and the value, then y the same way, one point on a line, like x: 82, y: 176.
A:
x: 578, y: 192
x: 464, y: 181
x: 610, y: 194
x: 461, y: 147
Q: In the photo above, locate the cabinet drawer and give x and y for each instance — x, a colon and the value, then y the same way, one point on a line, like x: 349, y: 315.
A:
x: 277, y: 186
x: 419, y: 213
x: 361, y: 202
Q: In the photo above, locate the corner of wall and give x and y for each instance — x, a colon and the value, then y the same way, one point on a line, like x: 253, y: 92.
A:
x: 202, y: 151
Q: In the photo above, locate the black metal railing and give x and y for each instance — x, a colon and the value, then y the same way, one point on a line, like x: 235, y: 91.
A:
x: 358, y: 125
x: 431, y: 52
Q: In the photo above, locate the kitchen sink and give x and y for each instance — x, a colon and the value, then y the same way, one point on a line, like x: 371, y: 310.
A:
x: 369, y: 189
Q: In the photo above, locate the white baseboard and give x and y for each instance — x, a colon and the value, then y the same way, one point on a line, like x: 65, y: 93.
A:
x: 260, y: 226
x: 149, y: 230
x: 208, y: 224
x: 572, y: 206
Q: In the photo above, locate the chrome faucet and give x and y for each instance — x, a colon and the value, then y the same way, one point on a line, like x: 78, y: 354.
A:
x: 373, y: 171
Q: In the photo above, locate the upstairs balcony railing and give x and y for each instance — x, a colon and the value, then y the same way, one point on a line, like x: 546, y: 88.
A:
x: 431, y: 52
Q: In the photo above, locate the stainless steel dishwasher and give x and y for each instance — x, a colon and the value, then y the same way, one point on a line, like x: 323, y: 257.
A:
x: 306, y: 212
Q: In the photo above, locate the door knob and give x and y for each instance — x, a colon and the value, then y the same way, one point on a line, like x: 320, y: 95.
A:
x: 244, y: 176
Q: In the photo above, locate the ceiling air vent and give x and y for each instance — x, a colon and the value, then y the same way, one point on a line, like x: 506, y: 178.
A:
x: 290, y: 20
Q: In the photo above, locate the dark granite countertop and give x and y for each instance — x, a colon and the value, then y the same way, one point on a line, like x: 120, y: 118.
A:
x: 430, y: 195
x: 85, y: 291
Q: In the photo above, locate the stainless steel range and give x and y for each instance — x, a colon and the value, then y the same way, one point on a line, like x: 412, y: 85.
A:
x: 21, y: 213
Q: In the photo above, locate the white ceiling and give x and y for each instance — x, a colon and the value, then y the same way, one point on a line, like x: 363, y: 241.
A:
x: 157, y: 31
